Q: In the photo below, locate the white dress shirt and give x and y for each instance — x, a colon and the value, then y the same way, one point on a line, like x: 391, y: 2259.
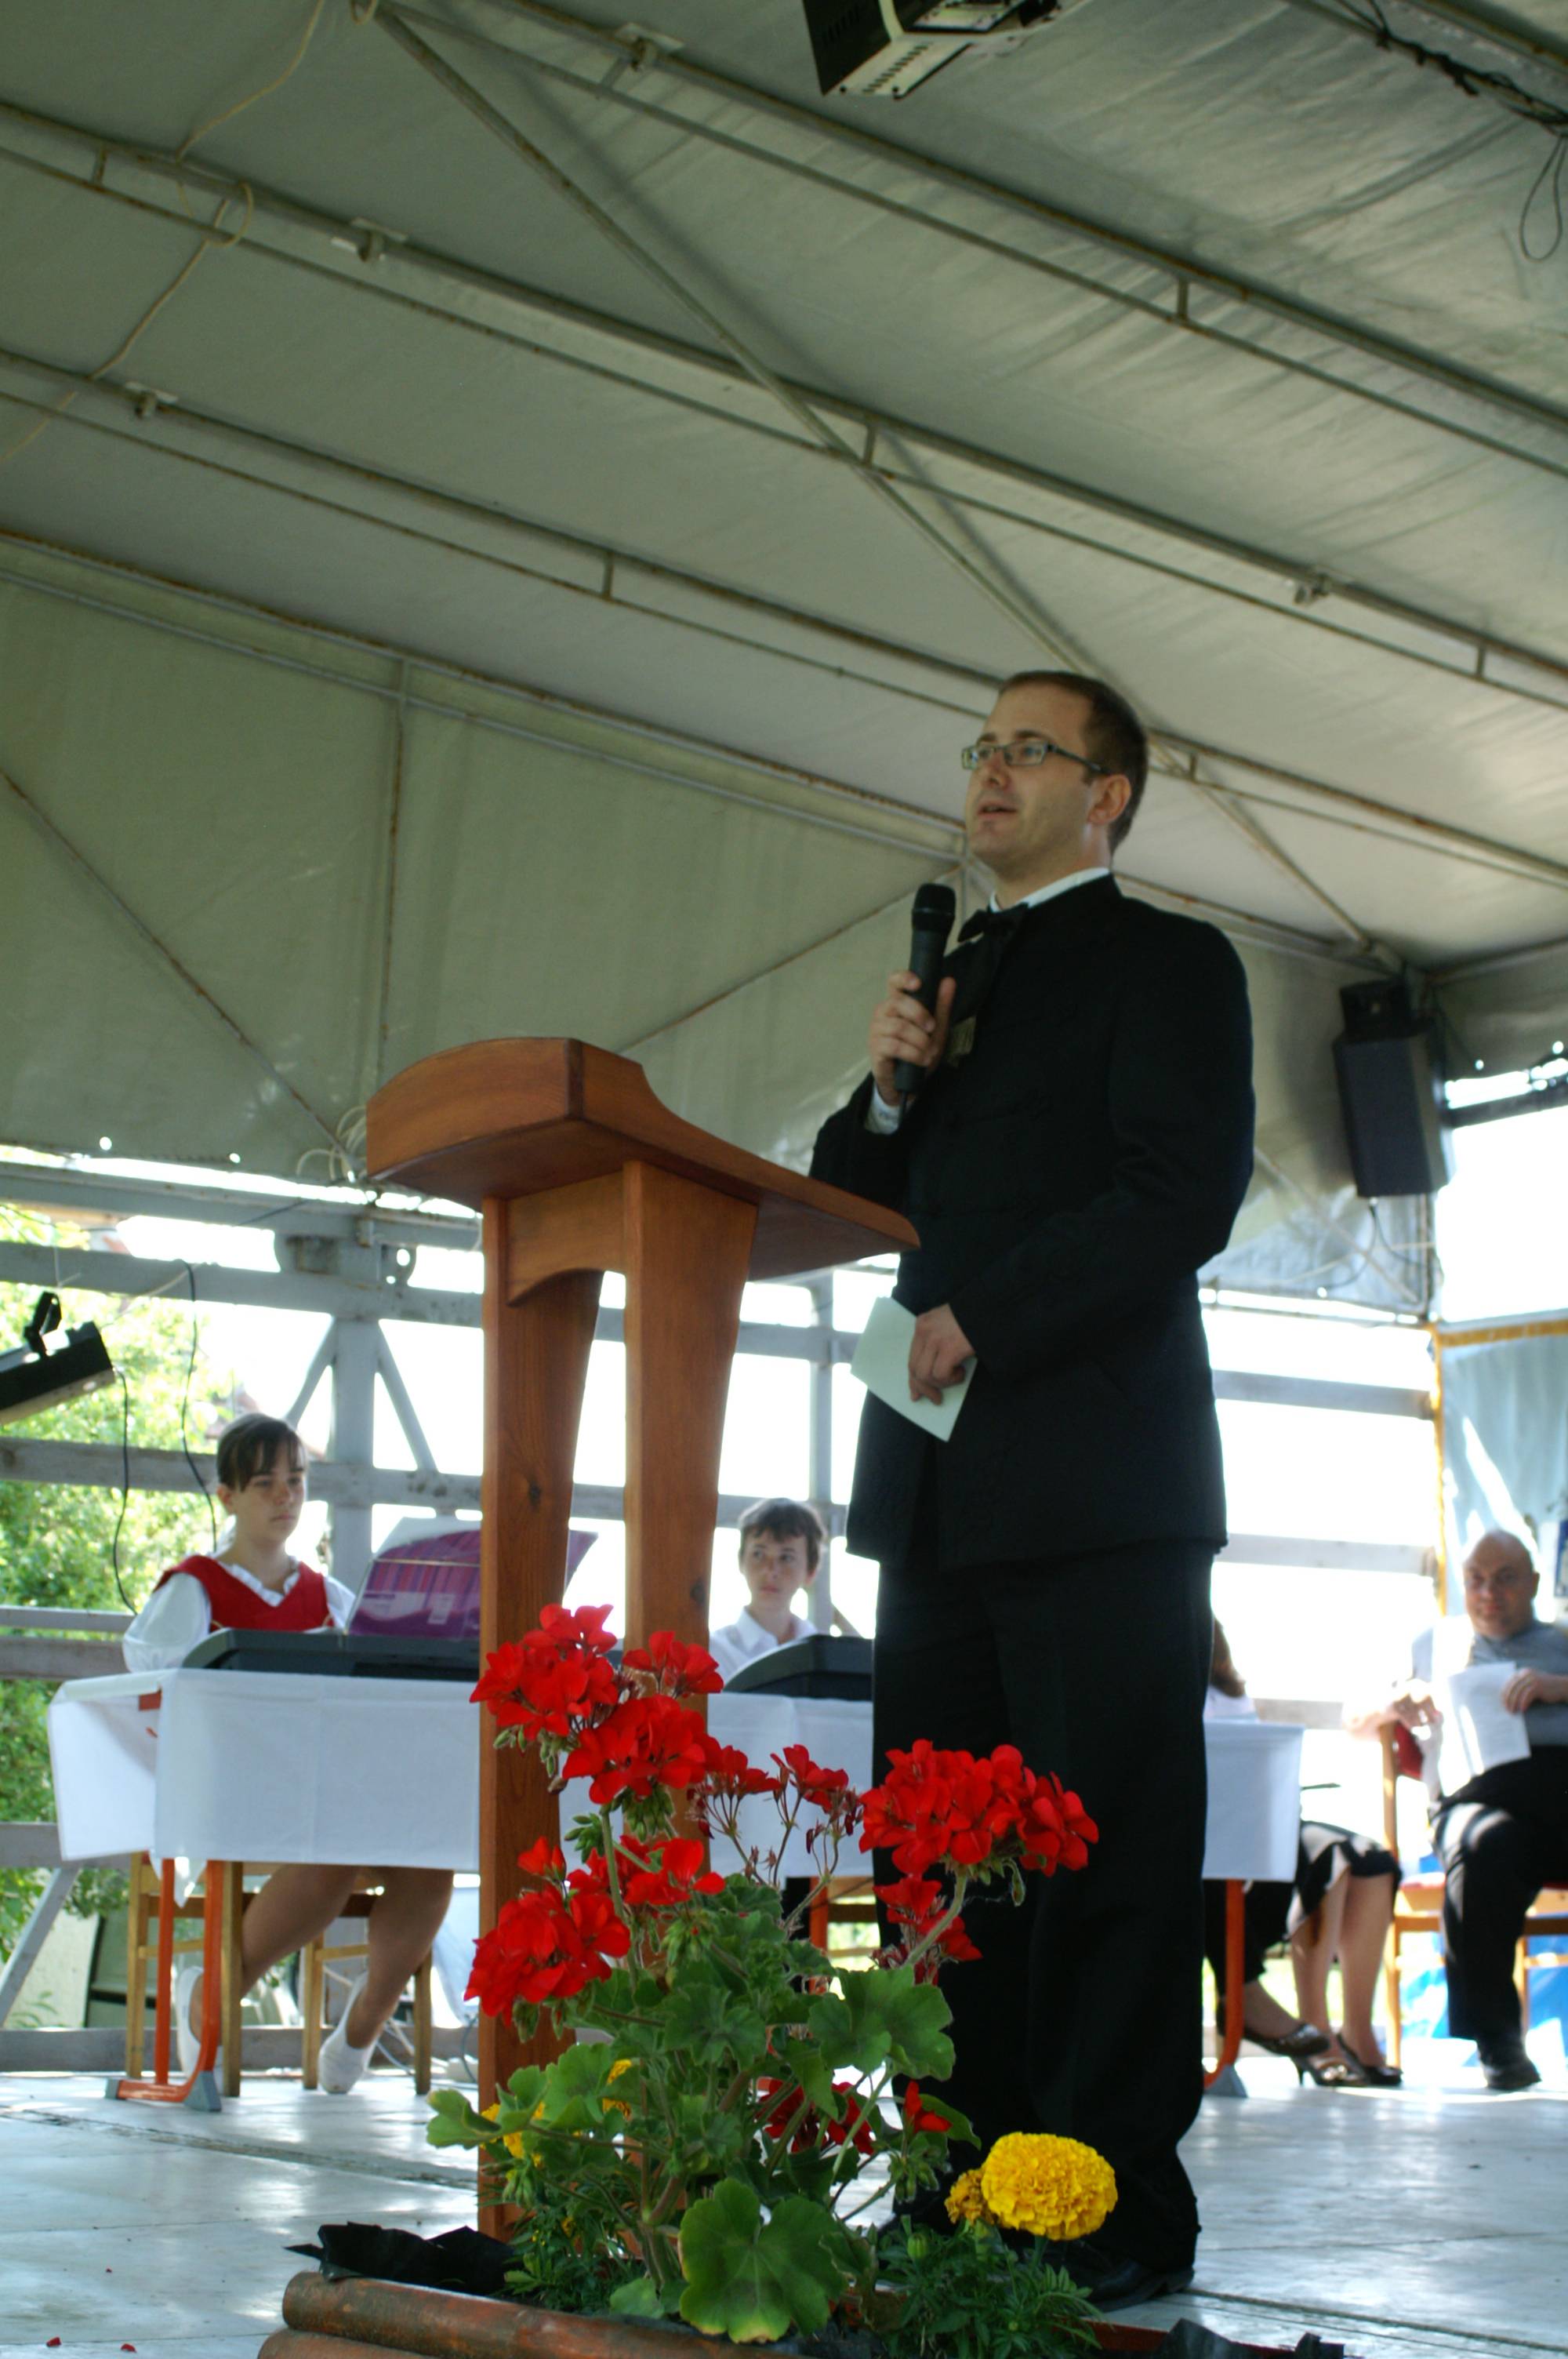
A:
x: 884, y: 1118
x: 745, y: 1641
x: 178, y: 1615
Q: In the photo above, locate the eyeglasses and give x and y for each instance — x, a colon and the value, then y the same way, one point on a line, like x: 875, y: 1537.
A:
x: 1027, y: 753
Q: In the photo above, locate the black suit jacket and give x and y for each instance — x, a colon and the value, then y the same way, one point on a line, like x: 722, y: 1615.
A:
x: 1069, y: 1176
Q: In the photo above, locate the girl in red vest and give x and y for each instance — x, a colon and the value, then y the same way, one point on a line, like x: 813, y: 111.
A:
x: 256, y: 1584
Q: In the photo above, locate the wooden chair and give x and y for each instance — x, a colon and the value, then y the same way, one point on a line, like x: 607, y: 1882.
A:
x: 1418, y: 1905
x: 848, y: 1901
x: 141, y: 1948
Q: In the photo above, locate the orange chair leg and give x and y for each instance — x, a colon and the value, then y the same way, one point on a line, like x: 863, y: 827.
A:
x: 1235, y: 1967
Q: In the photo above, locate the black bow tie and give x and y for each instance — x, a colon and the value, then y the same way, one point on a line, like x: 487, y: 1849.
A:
x: 997, y: 923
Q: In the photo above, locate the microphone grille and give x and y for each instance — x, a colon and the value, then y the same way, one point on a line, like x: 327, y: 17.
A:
x: 935, y: 905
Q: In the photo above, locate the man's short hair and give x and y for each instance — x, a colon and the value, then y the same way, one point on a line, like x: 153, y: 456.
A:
x: 785, y: 1519
x: 1113, y: 735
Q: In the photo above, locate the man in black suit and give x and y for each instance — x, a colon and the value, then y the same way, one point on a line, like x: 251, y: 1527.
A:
x: 1078, y: 1149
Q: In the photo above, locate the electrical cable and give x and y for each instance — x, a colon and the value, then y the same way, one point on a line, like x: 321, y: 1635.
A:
x: 211, y: 236
x: 184, y: 1406
x: 1549, y: 177
x: 124, y: 1489
x: 212, y: 232
x: 1474, y: 82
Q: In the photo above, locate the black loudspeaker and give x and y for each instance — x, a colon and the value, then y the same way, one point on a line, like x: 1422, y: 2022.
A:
x: 1390, y: 1093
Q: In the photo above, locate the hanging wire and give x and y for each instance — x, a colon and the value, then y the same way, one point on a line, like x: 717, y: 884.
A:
x: 1549, y: 177
x: 184, y: 1408
x: 1484, y: 82
x: 124, y: 1488
x: 229, y: 113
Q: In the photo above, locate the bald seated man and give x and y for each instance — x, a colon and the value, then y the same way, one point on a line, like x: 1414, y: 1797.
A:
x: 1505, y: 1834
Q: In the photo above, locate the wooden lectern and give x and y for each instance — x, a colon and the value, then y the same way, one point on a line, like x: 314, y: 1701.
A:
x: 578, y: 1170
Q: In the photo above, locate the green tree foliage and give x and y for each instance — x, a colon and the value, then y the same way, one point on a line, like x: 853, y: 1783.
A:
x: 57, y: 1544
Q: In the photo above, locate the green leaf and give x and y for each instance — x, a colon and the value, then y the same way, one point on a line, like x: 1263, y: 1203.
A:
x: 453, y: 2121
x: 885, y: 2018
x: 801, y: 2063
x: 640, y: 2298
x: 700, y: 2017
x: 753, y: 2279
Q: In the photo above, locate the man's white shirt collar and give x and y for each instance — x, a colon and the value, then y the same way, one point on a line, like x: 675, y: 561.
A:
x: 1049, y: 892
x: 753, y: 1637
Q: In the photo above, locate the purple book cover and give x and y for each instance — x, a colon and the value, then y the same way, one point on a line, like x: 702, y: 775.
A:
x: 428, y: 1588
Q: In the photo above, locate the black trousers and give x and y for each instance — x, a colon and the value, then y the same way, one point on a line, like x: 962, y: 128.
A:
x: 1084, y: 2017
x: 1499, y: 1838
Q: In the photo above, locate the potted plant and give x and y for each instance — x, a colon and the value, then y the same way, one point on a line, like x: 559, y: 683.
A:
x: 699, y: 2151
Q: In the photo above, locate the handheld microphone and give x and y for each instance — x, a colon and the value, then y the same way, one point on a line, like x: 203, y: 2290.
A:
x: 935, y: 907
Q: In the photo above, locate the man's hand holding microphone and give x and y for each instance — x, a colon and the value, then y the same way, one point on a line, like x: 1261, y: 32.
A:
x: 908, y: 1039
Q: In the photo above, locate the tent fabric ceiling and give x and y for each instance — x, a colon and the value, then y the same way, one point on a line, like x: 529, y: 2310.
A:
x: 1195, y: 346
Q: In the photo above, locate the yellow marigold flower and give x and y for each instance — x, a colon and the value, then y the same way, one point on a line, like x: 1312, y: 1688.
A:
x: 967, y: 2203
x: 1052, y: 2187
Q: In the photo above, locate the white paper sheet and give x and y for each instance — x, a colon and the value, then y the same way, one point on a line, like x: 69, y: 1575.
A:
x: 881, y: 1363
x: 1477, y: 1732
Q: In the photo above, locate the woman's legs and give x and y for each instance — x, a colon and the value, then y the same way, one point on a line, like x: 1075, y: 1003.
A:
x: 293, y: 1906
x: 1369, y: 1908
x: 404, y: 1922
x: 1314, y: 1947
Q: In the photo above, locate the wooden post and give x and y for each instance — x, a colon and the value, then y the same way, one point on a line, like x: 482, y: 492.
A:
x: 687, y: 1248
x: 535, y: 1367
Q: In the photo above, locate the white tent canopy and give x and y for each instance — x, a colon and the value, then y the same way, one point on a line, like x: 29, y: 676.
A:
x: 536, y: 570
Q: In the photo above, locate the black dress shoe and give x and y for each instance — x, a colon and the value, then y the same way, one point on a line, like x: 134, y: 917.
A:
x: 1506, y: 2062
x: 1114, y: 2282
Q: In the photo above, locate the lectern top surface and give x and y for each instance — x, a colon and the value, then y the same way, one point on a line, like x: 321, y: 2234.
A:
x: 508, y: 1118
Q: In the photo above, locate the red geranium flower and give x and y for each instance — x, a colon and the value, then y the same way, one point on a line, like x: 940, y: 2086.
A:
x: 543, y: 1859
x: 822, y: 1788
x: 809, y: 2129
x: 540, y: 1950
x: 678, y: 1873
x: 730, y: 1777
x: 647, y: 1741
x: 917, y: 2115
x: 676, y: 1670
x: 555, y: 1676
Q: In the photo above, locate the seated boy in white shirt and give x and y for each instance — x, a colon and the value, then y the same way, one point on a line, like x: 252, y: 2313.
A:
x: 781, y: 1548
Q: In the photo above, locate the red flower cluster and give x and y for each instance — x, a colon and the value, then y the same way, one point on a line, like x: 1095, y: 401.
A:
x: 668, y: 1876
x: 920, y: 1906
x: 823, y: 1790
x: 674, y: 1668
x: 554, y: 1677
x: 648, y: 1741
x: 961, y: 1811
x: 809, y: 2128
x: 730, y: 1777
x: 546, y: 1945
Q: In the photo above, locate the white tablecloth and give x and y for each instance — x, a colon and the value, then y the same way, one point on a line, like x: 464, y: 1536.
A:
x: 251, y: 1764
x: 255, y: 1764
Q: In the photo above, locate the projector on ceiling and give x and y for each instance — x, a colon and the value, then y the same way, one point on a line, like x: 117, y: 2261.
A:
x: 884, y: 48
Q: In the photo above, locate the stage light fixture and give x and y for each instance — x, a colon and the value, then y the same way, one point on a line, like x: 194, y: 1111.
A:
x: 34, y: 1377
x: 885, y: 49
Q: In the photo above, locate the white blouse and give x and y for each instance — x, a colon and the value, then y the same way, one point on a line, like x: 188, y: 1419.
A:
x: 179, y: 1615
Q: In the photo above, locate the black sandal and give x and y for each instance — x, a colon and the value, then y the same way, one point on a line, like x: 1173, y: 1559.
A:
x: 1377, y: 2076
x: 1299, y: 2046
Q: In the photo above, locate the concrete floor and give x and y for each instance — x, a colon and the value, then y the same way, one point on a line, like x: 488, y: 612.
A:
x: 1419, y: 2223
